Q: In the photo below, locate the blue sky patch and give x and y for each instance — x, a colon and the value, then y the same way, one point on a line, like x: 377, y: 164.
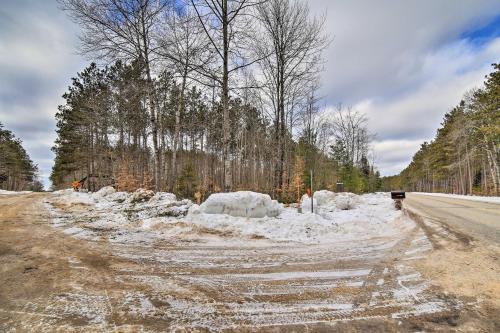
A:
x: 481, y: 34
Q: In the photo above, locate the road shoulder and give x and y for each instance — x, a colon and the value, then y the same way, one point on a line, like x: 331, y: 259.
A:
x: 465, y: 268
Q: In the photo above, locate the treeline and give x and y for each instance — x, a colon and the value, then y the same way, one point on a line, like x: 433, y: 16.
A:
x: 464, y: 157
x: 205, y: 97
x: 17, y: 171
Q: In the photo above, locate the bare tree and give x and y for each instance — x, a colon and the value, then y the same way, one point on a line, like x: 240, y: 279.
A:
x: 294, y: 42
x: 185, y: 47
x: 122, y: 29
x: 350, y: 134
x: 224, y: 24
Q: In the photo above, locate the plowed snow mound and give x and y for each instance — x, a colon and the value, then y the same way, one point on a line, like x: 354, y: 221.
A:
x: 241, y: 204
x: 373, y: 215
x: 225, y: 217
x: 327, y: 201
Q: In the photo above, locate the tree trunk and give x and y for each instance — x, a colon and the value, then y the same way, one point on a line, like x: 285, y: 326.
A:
x: 180, y: 108
x: 225, y: 101
x: 152, y: 107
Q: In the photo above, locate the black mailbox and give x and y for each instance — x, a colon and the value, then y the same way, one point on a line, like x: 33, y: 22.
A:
x: 398, y: 195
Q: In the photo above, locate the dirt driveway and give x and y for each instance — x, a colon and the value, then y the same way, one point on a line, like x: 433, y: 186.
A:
x: 52, y: 282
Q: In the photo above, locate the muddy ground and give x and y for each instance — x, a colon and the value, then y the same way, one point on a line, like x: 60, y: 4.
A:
x: 429, y: 278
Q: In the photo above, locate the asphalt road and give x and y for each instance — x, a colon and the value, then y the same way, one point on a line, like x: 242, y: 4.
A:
x: 478, y: 219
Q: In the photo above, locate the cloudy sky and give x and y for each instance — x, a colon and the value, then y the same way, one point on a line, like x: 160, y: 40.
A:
x: 403, y: 63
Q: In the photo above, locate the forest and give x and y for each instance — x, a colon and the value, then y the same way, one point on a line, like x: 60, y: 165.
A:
x: 17, y: 170
x: 464, y: 156
x: 198, y: 97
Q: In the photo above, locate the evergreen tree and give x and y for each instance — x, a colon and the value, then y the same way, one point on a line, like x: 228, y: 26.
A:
x: 17, y: 170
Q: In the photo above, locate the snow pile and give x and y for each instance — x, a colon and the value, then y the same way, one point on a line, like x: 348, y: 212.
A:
x: 141, y: 204
x: 141, y: 195
x: 323, y: 197
x: 70, y: 197
x: 225, y: 217
x: 326, y: 201
x: 346, y: 201
x: 111, y: 210
x: 241, y: 204
x: 103, y: 192
x: 463, y: 197
x: 289, y: 226
x: 369, y: 215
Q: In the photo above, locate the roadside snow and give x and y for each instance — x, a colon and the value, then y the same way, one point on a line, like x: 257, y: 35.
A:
x: 70, y: 197
x: 5, y: 192
x: 368, y: 216
x: 225, y: 217
x: 241, y: 204
x: 495, y: 200
x: 325, y: 200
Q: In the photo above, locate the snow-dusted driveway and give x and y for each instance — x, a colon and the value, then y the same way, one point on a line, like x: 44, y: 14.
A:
x: 52, y: 281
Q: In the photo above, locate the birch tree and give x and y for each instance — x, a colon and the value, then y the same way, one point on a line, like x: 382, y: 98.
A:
x: 290, y: 45
x: 226, y: 24
x: 185, y: 48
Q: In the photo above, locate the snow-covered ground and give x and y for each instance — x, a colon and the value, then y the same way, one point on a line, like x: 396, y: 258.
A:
x: 4, y: 192
x: 214, y: 267
x: 225, y: 217
x: 464, y: 197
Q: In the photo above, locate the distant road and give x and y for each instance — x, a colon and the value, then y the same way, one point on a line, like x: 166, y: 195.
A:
x: 478, y: 219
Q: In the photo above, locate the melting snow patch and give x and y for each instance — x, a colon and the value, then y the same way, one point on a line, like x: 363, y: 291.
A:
x: 139, y: 304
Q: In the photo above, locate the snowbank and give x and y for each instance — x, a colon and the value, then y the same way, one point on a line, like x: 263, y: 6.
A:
x: 326, y: 201
x: 371, y: 215
x: 241, y: 204
x: 111, y: 206
x: 224, y: 217
x: 463, y: 197
x: 70, y: 197
x: 103, y: 192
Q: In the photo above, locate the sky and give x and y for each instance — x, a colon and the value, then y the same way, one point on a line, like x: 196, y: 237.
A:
x: 402, y: 63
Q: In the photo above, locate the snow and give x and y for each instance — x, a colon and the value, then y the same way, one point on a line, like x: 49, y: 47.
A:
x: 491, y: 199
x: 257, y: 271
x: 325, y: 200
x: 295, y: 275
x: 241, y: 204
x: 5, y: 192
x: 226, y: 217
x: 69, y: 197
x: 103, y: 192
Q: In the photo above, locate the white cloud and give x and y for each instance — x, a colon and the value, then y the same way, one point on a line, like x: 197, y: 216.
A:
x: 401, y: 62
x: 391, y: 156
x: 416, y: 115
x: 379, y: 46
x: 405, y: 65
x: 37, y: 60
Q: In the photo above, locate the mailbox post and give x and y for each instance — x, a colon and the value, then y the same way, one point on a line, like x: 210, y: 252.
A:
x: 398, y: 197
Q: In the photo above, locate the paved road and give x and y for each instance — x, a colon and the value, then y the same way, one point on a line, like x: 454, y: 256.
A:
x: 478, y: 219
